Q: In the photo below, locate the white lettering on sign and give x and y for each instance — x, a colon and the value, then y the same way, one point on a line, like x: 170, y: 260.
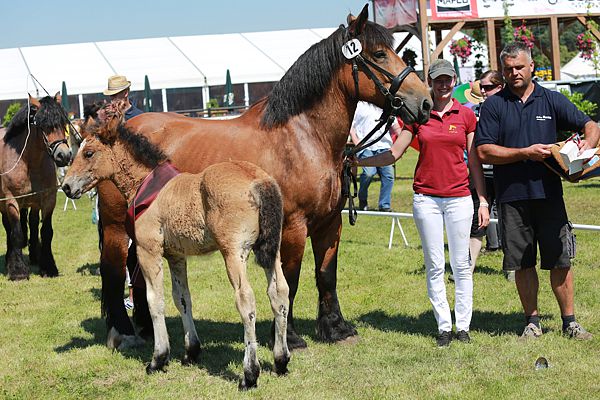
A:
x: 351, y: 49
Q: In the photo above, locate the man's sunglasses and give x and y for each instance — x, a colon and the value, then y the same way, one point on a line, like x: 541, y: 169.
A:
x: 489, y: 87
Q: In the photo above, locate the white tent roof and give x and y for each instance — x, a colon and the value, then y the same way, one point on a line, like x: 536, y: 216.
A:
x: 577, y: 68
x: 169, y: 62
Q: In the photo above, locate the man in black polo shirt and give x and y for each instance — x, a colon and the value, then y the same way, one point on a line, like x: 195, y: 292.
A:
x: 515, y: 131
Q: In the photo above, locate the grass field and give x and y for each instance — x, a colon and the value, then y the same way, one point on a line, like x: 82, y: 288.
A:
x: 52, y: 336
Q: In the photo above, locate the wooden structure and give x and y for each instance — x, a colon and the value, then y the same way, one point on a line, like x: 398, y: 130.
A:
x: 493, y: 28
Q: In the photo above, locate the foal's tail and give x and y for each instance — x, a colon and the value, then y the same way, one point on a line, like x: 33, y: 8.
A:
x: 266, y: 247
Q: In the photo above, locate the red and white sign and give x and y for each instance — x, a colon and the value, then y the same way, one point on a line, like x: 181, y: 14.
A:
x: 453, y: 9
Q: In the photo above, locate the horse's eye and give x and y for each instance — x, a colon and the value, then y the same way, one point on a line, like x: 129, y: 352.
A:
x: 88, y: 154
x: 379, y: 54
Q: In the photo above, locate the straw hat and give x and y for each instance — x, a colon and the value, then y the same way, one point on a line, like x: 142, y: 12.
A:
x: 116, y: 84
x: 473, y: 94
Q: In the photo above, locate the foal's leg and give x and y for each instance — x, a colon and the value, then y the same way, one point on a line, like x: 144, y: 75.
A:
x: 278, y: 292
x: 16, y: 267
x: 152, y: 268
x: 183, y: 302
x: 34, y: 237
x: 235, y: 263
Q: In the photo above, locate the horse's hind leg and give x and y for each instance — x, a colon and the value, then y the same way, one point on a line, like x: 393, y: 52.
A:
x: 16, y: 267
x: 47, y: 263
x: 151, y: 264
x: 278, y: 292
x: 34, y: 240
x: 183, y: 302
x: 245, y: 303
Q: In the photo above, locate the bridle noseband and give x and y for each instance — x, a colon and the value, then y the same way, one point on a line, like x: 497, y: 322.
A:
x: 392, y: 107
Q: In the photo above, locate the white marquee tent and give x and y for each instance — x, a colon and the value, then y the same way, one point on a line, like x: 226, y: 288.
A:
x: 169, y: 62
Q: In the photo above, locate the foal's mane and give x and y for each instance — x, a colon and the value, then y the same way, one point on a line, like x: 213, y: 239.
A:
x: 305, y: 82
x: 140, y: 147
x: 49, y: 116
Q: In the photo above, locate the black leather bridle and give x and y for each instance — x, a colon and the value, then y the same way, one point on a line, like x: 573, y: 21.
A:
x: 51, y: 147
x: 392, y: 107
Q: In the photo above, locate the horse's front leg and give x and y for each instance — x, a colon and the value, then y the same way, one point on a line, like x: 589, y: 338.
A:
x: 47, y: 263
x: 16, y: 267
x: 34, y: 237
x: 331, y: 326
x: 293, y: 241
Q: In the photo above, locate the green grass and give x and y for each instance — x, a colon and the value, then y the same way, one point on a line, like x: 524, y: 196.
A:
x: 52, y: 336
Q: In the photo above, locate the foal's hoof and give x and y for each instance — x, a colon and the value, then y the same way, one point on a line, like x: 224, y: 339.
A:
x: 191, y: 357
x: 281, y: 366
x: 247, y: 385
x: 153, y: 369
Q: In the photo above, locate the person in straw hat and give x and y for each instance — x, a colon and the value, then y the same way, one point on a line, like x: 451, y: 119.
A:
x: 118, y: 89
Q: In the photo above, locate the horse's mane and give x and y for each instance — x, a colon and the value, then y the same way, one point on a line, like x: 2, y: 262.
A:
x: 49, y: 116
x: 140, y: 147
x: 308, y: 78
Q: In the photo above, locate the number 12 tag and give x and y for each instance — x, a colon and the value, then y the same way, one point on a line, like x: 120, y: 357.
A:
x: 351, y: 49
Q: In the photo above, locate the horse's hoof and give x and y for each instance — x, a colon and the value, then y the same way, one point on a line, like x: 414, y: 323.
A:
x: 247, y: 385
x: 151, y: 370
x: 191, y: 356
x: 333, y: 328
x: 281, y: 366
x: 18, y: 277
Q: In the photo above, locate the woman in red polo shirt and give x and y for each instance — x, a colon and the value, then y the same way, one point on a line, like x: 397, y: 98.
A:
x: 442, y: 197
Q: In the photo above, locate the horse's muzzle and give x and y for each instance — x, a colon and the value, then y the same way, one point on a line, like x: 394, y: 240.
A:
x: 70, y: 193
x: 62, y: 157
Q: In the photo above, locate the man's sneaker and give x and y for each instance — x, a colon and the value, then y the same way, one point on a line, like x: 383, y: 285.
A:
x: 128, y: 303
x: 363, y: 206
x: 509, y: 275
x: 531, y: 331
x: 463, y: 336
x: 385, y: 209
x: 444, y: 338
x: 576, y: 331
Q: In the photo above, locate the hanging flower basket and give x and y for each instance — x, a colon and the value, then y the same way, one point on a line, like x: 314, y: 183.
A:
x: 523, y: 34
x: 462, y: 48
x: 586, y: 43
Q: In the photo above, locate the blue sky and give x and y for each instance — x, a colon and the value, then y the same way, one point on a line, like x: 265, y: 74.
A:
x: 42, y: 22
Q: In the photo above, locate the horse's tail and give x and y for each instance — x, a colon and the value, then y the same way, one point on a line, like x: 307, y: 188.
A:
x: 266, y: 247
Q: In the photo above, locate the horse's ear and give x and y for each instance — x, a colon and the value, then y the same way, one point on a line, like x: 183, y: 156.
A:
x: 357, y: 25
x: 33, y: 101
x: 58, y: 97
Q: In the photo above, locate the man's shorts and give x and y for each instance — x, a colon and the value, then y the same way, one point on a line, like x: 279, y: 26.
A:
x: 526, y: 224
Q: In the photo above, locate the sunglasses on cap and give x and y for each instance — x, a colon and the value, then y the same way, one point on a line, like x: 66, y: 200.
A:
x: 488, y: 87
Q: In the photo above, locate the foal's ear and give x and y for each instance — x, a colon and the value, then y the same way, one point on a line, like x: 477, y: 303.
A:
x: 33, y: 101
x: 356, y: 25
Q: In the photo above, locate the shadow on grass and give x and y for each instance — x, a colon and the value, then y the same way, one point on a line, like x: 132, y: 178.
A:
x: 222, y: 343
x: 89, y: 269
x: 493, y: 323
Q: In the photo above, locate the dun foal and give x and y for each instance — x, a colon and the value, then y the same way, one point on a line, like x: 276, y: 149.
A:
x: 233, y: 207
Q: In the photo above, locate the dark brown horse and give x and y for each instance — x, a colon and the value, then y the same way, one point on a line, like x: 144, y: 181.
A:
x: 30, y: 149
x: 297, y: 135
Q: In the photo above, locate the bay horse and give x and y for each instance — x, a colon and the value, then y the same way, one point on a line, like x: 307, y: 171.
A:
x: 30, y: 149
x: 297, y: 135
x: 234, y: 207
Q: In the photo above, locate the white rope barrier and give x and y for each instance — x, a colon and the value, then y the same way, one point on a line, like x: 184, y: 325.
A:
x: 397, y: 215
